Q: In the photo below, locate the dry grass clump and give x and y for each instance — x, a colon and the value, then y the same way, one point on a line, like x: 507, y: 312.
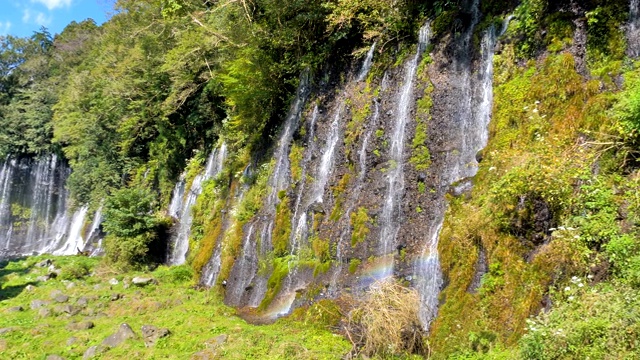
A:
x: 386, y: 323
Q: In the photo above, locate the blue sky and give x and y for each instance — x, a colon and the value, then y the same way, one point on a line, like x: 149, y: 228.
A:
x: 23, y: 17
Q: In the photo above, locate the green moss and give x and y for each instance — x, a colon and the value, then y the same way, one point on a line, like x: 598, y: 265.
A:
x: 360, y: 222
x: 420, y: 156
x: 282, y: 228
x: 295, y: 159
x: 281, y: 267
x: 353, y: 265
x: 339, y: 195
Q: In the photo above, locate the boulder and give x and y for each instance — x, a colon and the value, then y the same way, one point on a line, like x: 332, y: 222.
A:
x: 37, y: 304
x: 71, y: 310
x: 44, y: 263
x: 152, y: 334
x: 61, y: 298
x: 93, y: 352
x: 7, y: 330
x: 43, y: 278
x: 142, y: 281
x: 55, y: 357
x: 82, y: 325
x: 82, y: 302
x: 124, y: 332
x: 44, y: 312
x: 216, y: 341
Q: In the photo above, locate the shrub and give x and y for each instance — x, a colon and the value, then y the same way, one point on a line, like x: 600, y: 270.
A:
x: 77, y: 269
x: 386, y: 323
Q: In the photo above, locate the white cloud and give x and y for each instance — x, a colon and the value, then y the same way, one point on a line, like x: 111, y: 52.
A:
x: 53, y: 4
x: 5, y: 27
x: 26, y: 15
x: 43, y: 20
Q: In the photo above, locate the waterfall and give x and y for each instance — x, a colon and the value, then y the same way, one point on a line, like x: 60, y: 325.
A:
x: 94, y: 238
x: 261, y: 226
x: 74, y: 241
x: 181, y: 204
x: 366, y: 66
x: 633, y: 29
x: 35, y: 217
x: 461, y: 164
x: 389, y: 220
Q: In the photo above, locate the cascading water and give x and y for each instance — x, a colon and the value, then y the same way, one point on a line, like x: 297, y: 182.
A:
x: 461, y: 164
x: 633, y: 29
x: 390, y: 218
x: 34, y: 213
x: 366, y: 66
x: 181, y: 203
x: 237, y: 293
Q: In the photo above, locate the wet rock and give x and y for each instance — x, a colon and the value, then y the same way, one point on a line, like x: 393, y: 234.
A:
x: 317, y: 207
x: 124, y: 332
x: 142, y: 281
x: 152, y: 334
x: 44, y: 263
x: 55, y: 357
x: 15, y: 309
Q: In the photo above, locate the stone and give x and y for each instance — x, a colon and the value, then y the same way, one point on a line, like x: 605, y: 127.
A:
x: 30, y: 288
x: 216, y: 341
x: 115, y: 297
x: 114, y: 282
x: 141, y: 281
x: 151, y: 334
x: 93, y: 352
x: 44, y: 312
x: 97, y: 287
x: 6, y: 330
x: 82, y: 302
x: 55, y: 357
x: 205, y: 355
x: 70, y: 285
x: 15, y: 309
x: 82, y: 325
x: 72, y: 340
x: 37, y: 304
x: 44, y: 263
x: 61, y: 298
x: 43, y: 278
x: 3, y: 345
x: 124, y: 332
x: 68, y: 309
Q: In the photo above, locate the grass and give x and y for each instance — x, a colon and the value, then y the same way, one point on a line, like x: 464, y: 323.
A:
x: 192, y: 315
